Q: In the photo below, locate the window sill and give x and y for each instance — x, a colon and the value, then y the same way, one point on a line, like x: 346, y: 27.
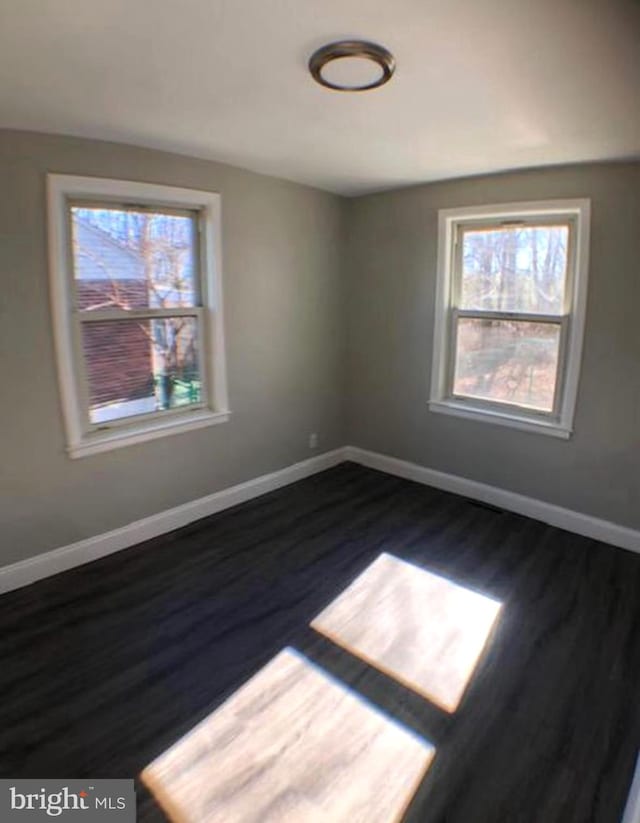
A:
x: 514, y: 421
x: 117, y: 438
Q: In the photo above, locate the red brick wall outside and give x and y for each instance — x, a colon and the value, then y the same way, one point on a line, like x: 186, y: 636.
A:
x: 117, y: 353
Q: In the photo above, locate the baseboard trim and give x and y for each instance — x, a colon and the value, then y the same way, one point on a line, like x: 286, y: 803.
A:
x: 36, y: 568
x: 572, y: 521
x: 28, y: 571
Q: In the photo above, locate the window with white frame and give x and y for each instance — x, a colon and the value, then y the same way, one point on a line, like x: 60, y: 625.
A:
x: 137, y: 310
x: 510, y: 308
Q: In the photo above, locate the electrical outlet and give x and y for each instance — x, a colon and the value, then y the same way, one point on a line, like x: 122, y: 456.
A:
x: 313, y: 441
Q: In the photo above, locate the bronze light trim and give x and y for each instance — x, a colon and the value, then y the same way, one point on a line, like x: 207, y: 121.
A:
x: 352, y: 48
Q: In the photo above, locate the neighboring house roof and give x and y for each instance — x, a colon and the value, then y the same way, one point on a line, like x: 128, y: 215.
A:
x: 99, y: 257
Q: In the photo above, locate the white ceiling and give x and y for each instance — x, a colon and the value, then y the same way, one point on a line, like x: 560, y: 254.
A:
x: 480, y: 86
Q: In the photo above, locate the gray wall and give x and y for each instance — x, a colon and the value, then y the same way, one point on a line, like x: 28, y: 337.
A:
x: 284, y: 333
x: 391, y: 263
x: 329, y: 323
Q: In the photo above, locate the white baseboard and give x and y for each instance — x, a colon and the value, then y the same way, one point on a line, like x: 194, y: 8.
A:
x: 572, y: 521
x: 84, y: 551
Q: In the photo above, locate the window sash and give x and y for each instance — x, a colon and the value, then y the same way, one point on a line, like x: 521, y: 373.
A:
x: 525, y: 222
x: 197, y: 240
x: 131, y: 419
x: 100, y: 315
x: 524, y: 317
x: 514, y: 221
x: 123, y: 205
x: 562, y: 322
x: 82, y: 376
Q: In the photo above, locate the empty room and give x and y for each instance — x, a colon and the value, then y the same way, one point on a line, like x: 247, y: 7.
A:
x: 320, y: 357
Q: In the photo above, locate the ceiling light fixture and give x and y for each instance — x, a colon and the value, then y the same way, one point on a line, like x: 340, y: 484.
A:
x: 352, y: 65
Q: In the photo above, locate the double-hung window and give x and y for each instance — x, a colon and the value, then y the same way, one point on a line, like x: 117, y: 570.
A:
x: 137, y: 310
x: 510, y: 307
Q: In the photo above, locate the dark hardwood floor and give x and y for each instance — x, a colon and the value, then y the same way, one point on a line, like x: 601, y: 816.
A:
x: 105, y: 666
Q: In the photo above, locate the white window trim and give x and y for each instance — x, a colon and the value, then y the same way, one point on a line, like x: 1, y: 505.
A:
x: 80, y: 441
x: 560, y: 424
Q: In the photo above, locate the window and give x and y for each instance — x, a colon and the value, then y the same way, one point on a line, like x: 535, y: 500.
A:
x: 137, y: 309
x: 510, y: 307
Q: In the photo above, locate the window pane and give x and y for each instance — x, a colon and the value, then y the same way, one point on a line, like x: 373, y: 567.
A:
x: 515, y: 268
x: 140, y: 366
x: 133, y: 259
x: 507, y: 361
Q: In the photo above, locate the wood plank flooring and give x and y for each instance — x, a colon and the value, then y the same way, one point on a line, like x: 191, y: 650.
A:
x: 418, y: 627
x: 103, y: 668
x: 292, y: 744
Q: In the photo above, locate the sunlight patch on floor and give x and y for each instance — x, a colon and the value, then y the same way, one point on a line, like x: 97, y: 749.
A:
x: 293, y: 745
x: 417, y: 627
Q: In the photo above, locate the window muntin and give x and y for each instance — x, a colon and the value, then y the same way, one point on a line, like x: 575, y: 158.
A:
x: 510, y: 313
x: 137, y: 310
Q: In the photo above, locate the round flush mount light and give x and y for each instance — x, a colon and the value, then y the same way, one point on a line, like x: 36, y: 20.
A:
x: 352, y: 65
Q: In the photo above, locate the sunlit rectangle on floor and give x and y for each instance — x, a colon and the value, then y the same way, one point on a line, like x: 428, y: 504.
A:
x: 293, y: 745
x: 420, y: 628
